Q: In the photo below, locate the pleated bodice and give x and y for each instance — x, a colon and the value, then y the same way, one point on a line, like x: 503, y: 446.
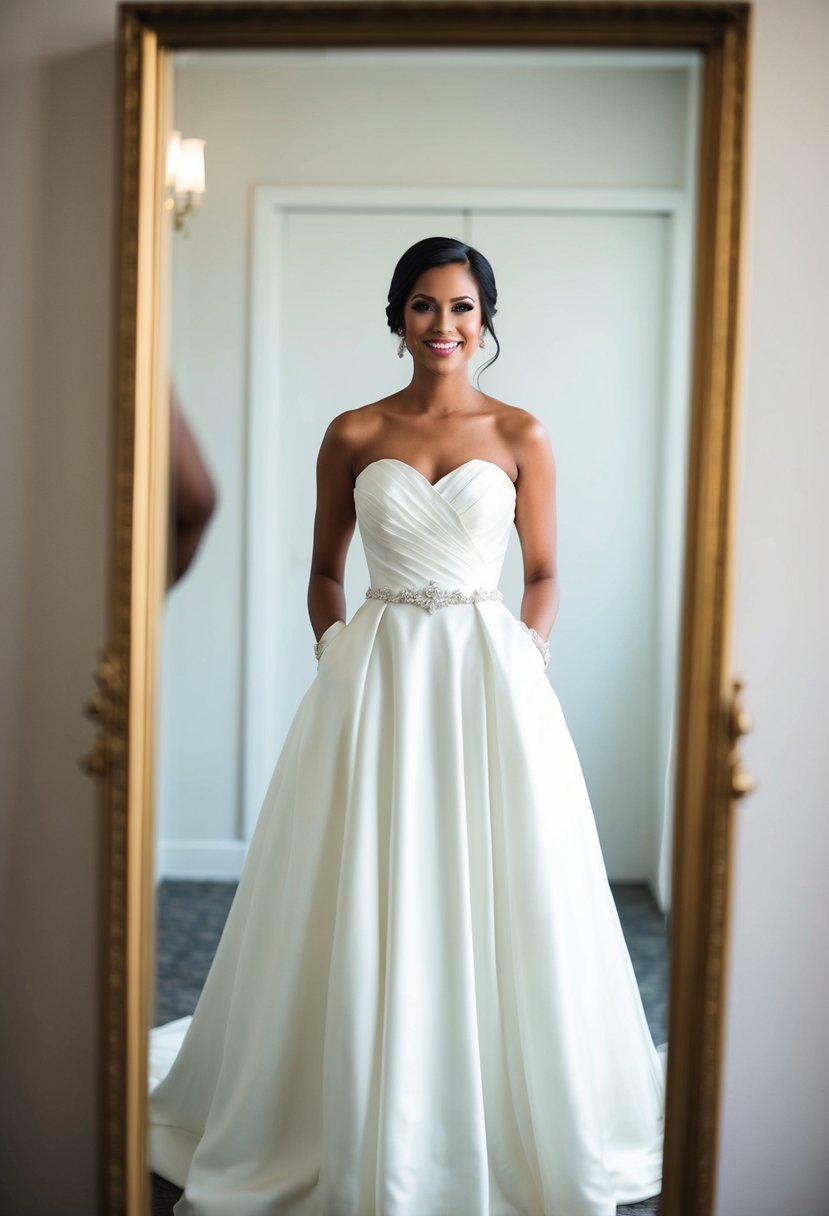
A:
x: 454, y: 531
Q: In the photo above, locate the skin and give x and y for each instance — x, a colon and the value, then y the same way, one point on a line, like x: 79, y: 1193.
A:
x: 438, y: 422
x: 192, y: 493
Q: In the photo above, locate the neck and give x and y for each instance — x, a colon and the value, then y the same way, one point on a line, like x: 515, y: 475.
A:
x: 431, y: 393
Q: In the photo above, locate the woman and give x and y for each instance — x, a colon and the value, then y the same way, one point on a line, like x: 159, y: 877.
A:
x: 422, y: 1003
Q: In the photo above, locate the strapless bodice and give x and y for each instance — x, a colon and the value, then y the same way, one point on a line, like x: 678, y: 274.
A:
x: 453, y: 531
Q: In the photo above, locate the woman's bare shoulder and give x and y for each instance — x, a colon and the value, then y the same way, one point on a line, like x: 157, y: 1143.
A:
x: 350, y: 433
x: 519, y: 427
x: 351, y: 430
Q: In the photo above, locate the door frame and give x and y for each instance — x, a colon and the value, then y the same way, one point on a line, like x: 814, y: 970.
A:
x: 270, y: 205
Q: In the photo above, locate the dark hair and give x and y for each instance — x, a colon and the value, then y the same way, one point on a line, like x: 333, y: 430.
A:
x: 441, y: 251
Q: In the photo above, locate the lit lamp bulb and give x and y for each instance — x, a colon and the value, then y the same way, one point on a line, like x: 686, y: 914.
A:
x: 185, y: 177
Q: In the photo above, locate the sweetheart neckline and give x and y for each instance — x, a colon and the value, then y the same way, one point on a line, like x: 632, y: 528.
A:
x: 434, y: 484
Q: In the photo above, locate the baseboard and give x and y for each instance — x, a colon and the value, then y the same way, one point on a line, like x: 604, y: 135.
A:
x: 207, y: 860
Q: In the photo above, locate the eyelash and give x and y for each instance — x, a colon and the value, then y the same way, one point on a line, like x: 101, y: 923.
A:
x: 418, y: 304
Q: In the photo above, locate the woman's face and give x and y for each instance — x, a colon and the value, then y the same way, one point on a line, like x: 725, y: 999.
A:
x: 442, y: 318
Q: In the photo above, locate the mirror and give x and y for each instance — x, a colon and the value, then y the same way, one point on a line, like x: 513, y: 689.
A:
x: 581, y: 174
x: 589, y: 223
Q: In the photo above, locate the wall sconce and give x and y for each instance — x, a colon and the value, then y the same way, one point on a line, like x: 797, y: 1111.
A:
x: 185, y: 178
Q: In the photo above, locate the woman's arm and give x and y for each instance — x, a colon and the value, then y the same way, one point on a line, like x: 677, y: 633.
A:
x: 334, y: 522
x: 535, y: 521
x: 192, y: 491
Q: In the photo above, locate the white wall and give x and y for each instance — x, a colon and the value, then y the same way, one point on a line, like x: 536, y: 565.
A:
x: 547, y: 120
x: 57, y: 97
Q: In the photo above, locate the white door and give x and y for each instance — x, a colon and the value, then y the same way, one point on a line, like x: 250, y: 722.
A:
x: 323, y: 278
x: 581, y: 312
x: 580, y: 320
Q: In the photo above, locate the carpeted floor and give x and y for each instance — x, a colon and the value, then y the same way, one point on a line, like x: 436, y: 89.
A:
x: 191, y: 916
x: 165, y: 1195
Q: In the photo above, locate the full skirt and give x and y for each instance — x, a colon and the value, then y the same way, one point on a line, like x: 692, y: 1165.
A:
x: 422, y: 1003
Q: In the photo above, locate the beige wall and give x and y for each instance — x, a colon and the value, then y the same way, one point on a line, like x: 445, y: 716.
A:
x: 56, y: 345
x: 775, y: 1131
x: 57, y: 137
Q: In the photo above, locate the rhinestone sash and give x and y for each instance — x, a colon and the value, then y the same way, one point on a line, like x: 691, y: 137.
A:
x: 431, y: 597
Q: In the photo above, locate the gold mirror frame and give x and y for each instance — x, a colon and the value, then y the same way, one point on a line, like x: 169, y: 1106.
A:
x: 708, y: 775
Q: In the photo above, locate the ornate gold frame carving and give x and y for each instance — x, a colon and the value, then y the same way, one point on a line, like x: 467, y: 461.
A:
x: 708, y: 770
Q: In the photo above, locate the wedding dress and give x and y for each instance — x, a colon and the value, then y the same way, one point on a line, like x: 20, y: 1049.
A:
x: 422, y: 1003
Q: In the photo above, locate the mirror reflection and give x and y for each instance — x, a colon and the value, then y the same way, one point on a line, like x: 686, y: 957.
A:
x: 425, y: 981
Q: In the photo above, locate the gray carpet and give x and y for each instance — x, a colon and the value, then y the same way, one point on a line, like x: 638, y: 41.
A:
x: 165, y: 1195
x: 191, y: 916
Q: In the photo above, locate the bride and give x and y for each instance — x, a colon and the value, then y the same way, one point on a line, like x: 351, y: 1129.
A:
x: 422, y: 1003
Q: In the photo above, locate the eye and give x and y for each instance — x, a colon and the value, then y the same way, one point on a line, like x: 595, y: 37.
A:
x: 464, y: 306
x: 419, y: 305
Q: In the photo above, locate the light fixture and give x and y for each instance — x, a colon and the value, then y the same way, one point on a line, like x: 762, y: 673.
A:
x: 185, y: 178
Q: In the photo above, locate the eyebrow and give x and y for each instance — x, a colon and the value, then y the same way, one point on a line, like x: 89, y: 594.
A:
x: 422, y: 295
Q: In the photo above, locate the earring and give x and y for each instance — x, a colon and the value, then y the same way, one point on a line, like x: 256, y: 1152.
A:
x: 401, y: 349
x: 481, y: 342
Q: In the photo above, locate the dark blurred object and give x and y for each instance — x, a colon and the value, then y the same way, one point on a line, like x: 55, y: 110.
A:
x: 193, y: 495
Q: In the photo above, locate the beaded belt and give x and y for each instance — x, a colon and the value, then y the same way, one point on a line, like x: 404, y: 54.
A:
x: 432, y: 596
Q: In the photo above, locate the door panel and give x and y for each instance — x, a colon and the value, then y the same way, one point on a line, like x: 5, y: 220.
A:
x: 335, y: 352
x: 580, y: 321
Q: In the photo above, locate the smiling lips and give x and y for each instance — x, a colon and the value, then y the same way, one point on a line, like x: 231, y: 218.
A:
x: 443, y: 348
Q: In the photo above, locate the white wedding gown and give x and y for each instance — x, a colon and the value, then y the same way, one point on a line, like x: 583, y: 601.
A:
x: 422, y: 1003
